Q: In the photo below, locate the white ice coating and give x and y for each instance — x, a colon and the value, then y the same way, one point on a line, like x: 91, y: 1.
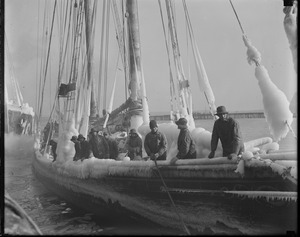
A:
x: 276, y: 105
x: 253, y: 55
x: 290, y: 27
x: 241, y: 168
x: 65, y: 147
x: 96, y: 168
x: 293, y: 103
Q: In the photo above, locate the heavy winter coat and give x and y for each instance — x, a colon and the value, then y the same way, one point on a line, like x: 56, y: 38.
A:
x: 156, y: 143
x: 134, y: 146
x: 185, y: 145
x: 228, y: 131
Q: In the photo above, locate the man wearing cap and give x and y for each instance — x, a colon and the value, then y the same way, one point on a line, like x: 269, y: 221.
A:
x: 155, y: 143
x: 134, y: 145
x: 53, y: 145
x: 228, y: 131
x: 77, y: 146
x: 85, y: 151
x: 98, y: 145
x: 113, y: 146
x: 185, y: 144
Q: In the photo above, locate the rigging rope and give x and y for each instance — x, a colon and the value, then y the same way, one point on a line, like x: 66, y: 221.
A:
x: 183, y: 92
x: 237, y: 17
x: 104, y: 10
x: 166, y: 188
x: 17, y: 209
x: 173, y: 95
x: 291, y: 130
x: 36, y: 73
x: 48, y: 53
x: 202, y: 76
x: 106, y: 54
x: 109, y: 109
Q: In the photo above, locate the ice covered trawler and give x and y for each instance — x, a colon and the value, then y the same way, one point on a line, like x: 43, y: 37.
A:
x: 18, y: 115
x: 175, y: 195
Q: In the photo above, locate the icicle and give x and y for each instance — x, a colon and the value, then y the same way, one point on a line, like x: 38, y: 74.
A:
x: 276, y: 105
x: 241, y: 168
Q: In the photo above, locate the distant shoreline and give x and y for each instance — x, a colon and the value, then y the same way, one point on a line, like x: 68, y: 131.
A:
x: 205, y: 115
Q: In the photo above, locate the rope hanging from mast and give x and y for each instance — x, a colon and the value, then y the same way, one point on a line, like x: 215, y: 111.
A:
x: 237, y: 17
x: 173, y: 94
x: 200, y: 69
x: 47, y: 60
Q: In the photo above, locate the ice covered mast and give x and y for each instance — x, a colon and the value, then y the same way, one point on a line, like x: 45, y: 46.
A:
x: 136, y: 84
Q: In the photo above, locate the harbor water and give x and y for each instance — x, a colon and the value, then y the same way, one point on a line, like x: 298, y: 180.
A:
x: 55, y: 216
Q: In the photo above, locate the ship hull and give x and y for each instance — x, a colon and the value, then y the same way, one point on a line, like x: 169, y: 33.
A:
x: 139, y: 192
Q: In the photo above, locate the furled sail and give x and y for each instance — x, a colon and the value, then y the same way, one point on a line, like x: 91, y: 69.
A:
x: 200, y: 69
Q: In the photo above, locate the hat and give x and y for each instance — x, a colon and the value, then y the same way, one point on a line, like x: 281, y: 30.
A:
x: 80, y: 136
x: 132, y: 131
x: 74, y: 138
x: 93, y: 130
x: 288, y: 2
x: 221, y: 110
x: 181, y: 121
x: 152, y: 124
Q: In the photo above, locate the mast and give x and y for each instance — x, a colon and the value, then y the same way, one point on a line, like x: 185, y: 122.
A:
x: 135, y: 72
x: 89, y: 46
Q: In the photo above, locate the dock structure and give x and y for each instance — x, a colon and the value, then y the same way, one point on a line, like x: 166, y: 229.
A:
x: 206, y: 115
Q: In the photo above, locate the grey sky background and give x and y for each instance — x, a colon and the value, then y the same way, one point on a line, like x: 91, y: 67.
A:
x: 218, y: 37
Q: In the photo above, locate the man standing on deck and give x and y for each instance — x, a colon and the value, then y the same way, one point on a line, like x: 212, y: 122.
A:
x: 99, y: 145
x: 228, y: 131
x: 77, y: 146
x: 185, y: 144
x: 134, y: 145
x: 155, y: 143
x: 53, y: 145
x: 85, y: 151
x: 113, y: 146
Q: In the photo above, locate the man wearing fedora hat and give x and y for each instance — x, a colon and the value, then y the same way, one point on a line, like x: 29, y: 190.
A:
x: 86, y: 151
x: 228, y: 131
x: 185, y: 144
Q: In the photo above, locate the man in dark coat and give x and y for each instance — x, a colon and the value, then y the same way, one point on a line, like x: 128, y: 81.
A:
x: 53, y: 145
x: 134, y: 145
x: 85, y: 152
x: 77, y: 146
x: 99, y: 145
x: 228, y: 131
x: 155, y: 143
x: 185, y: 144
x: 113, y: 146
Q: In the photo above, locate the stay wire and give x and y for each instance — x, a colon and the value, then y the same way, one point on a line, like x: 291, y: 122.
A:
x: 237, y: 17
x: 166, y: 188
